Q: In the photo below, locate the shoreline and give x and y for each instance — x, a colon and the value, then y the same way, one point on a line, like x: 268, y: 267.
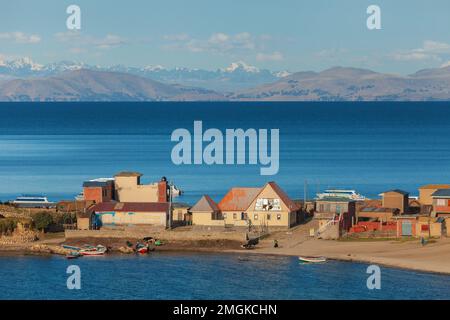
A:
x: 397, y: 255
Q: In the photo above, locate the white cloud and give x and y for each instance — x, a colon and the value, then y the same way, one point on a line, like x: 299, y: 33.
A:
x: 217, y: 42
x: 275, y: 56
x: 81, y: 43
x: 430, y: 50
x: 20, y: 37
x: 446, y: 64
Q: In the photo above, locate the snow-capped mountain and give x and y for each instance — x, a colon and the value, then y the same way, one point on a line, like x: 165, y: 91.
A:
x: 240, y: 66
x: 238, y: 75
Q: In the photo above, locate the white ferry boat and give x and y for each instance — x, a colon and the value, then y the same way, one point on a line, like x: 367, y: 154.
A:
x: 33, y: 201
x: 341, y: 193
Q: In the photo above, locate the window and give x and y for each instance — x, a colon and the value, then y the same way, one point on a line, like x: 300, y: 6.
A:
x: 264, y: 204
x: 424, y: 227
x: 224, y: 215
x: 255, y: 216
x: 234, y: 216
x: 278, y: 216
x: 338, y: 208
x: 441, y: 202
x: 268, y: 216
x: 243, y: 215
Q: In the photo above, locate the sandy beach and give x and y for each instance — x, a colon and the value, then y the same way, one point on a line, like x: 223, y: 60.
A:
x: 408, y: 254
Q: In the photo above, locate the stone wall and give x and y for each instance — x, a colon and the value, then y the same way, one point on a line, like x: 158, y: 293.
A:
x: 174, y: 235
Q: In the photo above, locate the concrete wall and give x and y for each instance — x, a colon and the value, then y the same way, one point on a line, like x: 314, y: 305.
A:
x: 133, y: 218
x: 425, y: 196
x: 140, y: 233
x: 178, y: 214
x: 128, y: 189
x: 203, y: 218
x: 83, y: 223
x: 435, y: 229
x: 99, y: 194
x: 395, y: 200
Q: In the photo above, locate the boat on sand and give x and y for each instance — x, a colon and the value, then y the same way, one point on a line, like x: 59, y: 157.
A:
x: 93, y: 251
x: 312, y: 259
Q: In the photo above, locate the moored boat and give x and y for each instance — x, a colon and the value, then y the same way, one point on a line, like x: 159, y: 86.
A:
x: 312, y: 259
x: 142, y: 250
x: 93, y: 251
x: 33, y: 201
x: 73, y: 255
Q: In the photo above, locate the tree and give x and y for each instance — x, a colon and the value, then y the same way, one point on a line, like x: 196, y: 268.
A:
x: 42, y: 220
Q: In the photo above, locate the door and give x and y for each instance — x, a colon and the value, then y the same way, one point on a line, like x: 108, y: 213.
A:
x: 407, y: 228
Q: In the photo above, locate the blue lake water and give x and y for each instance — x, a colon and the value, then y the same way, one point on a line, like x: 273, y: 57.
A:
x: 209, y: 276
x: 52, y: 147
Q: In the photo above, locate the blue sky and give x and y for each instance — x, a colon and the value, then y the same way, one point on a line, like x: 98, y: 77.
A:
x: 285, y: 34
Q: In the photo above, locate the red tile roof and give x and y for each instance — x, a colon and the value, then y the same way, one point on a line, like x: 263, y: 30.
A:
x: 238, y: 199
x: 131, y: 207
x: 284, y: 197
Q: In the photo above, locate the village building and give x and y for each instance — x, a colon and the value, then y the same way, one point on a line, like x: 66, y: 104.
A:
x: 129, y: 188
x: 84, y: 220
x: 99, y: 190
x: 206, y: 212
x: 418, y: 226
x: 396, y: 199
x: 335, y: 216
x: 426, y: 192
x: 376, y: 214
x: 130, y: 214
x: 180, y: 213
x: 268, y: 206
x: 441, y: 203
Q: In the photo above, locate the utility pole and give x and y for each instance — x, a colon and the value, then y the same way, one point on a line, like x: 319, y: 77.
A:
x: 170, y: 205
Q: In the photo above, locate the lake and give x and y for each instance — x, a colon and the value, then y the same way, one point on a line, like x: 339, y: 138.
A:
x: 209, y: 276
x: 52, y: 148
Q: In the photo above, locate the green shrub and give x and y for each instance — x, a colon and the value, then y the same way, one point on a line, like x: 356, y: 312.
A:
x: 7, y: 225
x: 42, y: 220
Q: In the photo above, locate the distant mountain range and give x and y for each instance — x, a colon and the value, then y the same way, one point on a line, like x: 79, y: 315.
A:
x: 238, y: 75
x: 351, y: 84
x: 88, y: 85
x: 24, y: 80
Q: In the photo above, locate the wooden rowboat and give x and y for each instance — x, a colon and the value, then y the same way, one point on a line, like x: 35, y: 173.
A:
x: 93, y: 251
x: 312, y: 259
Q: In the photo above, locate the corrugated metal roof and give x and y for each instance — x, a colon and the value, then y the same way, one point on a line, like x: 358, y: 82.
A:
x: 441, y: 193
x: 238, y: 199
x: 132, y: 206
x: 92, y: 183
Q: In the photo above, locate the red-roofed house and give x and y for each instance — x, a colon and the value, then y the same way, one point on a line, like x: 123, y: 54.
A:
x: 268, y: 206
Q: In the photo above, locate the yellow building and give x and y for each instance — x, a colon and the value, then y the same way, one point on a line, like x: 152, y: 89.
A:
x: 180, y: 212
x: 207, y: 213
x: 129, y: 189
x: 267, y: 206
x: 426, y: 191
